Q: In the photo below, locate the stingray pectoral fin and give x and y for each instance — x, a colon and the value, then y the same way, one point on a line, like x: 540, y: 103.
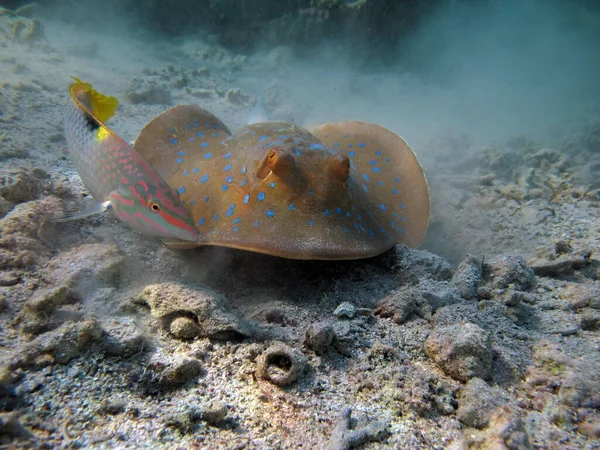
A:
x: 387, y: 170
x: 170, y: 140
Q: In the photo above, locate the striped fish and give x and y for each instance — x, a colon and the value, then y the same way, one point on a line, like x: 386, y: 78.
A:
x: 118, y: 177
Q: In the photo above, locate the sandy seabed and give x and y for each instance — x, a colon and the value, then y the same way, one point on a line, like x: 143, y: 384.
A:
x: 485, y: 338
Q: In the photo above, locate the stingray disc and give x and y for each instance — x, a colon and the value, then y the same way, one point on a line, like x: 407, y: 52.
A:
x: 277, y: 189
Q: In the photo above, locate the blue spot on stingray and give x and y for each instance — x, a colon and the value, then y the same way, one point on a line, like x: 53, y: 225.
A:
x: 376, y: 169
x: 192, y: 202
x: 186, y: 173
x: 403, y: 205
x: 351, y: 153
x: 402, y: 231
x: 316, y: 146
x: 327, y: 212
x: 243, y: 171
x: 215, y: 134
x: 372, y: 162
x: 181, y: 190
x: 395, y: 192
x: 208, y: 156
x: 361, y: 144
x: 179, y: 160
x: 201, y: 221
x: 378, y: 153
x: 204, y: 179
x: 227, y: 155
x: 395, y: 215
x: 311, y: 223
x: 382, y: 230
x: 346, y: 135
x: 199, y: 134
x: 371, y: 232
x: 402, y: 219
x: 292, y: 207
x: 229, y: 212
x: 228, y: 179
x: 224, y: 187
x: 387, y: 159
x: 337, y: 144
x: 246, y: 199
x: 206, y: 199
x: 260, y: 196
x: 338, y: 210
x: 180, y: 153
x: 256, y: 223
x: 191, y: 139
x: 310, y: 192
x: 346, y: 230
x: 392, y: 223
x: 396, y: 179
x: 359, y: 217
x: 187, y: 126
x: 349, y: 145
x: 215, y: 217
x: 272, y: 184
x: 204, y: 144
x: 173, y: 141
x: 195, y: 170
x: 297, y: 152
x: 171, y: 130
x: 262, y: 138
x: 380, y: 183
x: 365, y: 188
x: 227, y: 168
x: 236, y: 220
x: 236, y: 229
x: 370, y: 213
x: 270, y: 213
x: 365, y: 176
x: 243, y: 183
x: 348, y: 214
x: 356, y: 226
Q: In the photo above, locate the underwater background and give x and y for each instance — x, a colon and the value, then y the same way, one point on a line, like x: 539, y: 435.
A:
x: 485, y: 336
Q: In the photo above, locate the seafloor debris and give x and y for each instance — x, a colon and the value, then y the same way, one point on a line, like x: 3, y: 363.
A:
x: 192, y: 311
x: 281, y: 364
x: 350, y: 432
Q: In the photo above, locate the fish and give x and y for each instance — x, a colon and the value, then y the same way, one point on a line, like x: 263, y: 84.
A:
x: 344, y: 190
x: 117, y: 176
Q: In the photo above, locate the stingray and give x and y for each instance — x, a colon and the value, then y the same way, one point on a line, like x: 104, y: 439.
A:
x: 344, y: 190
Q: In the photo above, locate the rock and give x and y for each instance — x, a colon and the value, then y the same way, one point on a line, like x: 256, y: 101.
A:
x: 561, y: 266
x: 27, y: 31
x: 213, y: 413
x: 438, y: 294
x: 508, y: 270
x: 590, y: 321
x: 206, y: 308
x: 121, y: 337
x: 319, y: 337
x: 281, y: 364
x: 62, y: 344
x: 421, y: 264
x: 467, y: 277
x: 477, y: 401
x: 184, y: 328
x: 236, y: 97
x: 462, y: 351
x: 400, y: 304
x: 349, y: 434
x: 20, y: 186
x: 180, y: 372
x: 11, y: 426
x: 8, y: 279
x: 150, y: 92
x: 345, y: 310
x: 590, y: 427
x: 86, y: 267
x: 506, y: 430
x: 47, y: 300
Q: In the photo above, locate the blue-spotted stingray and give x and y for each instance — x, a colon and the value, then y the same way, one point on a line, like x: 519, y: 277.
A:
x: 344, y: 190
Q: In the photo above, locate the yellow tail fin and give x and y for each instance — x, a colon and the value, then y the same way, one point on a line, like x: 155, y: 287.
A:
x: 102, y: 106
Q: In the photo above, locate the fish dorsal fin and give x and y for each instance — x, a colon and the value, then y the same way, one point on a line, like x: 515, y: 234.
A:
x: 101, y: 106
x: 184, y: 130
x: 388, y: 171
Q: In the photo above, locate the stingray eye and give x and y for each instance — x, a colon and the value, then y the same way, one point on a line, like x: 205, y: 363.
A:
x: 154, y: 206
x: 272, y: 158
x: 340, y: 166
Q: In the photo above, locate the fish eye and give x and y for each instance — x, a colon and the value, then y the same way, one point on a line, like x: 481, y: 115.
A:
x: 154, y: 206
